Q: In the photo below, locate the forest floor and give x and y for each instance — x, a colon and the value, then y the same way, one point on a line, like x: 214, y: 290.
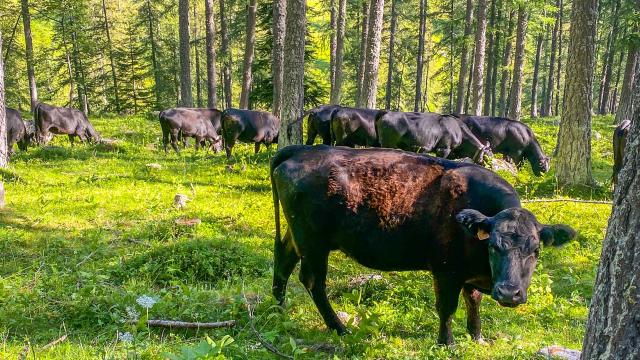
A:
x: 89, y: 230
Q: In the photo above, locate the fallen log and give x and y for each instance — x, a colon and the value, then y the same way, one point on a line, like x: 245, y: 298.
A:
x: 188, y: 325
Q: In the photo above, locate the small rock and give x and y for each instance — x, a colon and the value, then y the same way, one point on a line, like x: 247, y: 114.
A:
x: 557, y: 352
x: 188, y: 222
x: 180, y: 201
x: 346, y: 318
x: 155, y: 166
x: 363, y: 279
x: 597, y: 135
x: 501, y: 164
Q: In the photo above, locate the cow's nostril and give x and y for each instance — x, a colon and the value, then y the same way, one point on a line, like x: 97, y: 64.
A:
x: 517, y: 295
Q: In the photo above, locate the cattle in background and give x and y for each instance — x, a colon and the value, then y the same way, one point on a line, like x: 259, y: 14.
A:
x: 18, y: 131
x: 620, y: 135
x: 319, y: 123
x: 352, y: 126
x: 515, y: 140
x: 445, y: 135
x: 391, y: 210
x: 251, y: 126
x: 60, y: 120
x: 181, y: 123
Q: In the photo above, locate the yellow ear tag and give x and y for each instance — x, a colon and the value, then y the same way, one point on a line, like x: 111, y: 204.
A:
x: 482, y: 235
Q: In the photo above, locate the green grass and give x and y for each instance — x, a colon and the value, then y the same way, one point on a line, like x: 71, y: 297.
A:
x: 89, y: 229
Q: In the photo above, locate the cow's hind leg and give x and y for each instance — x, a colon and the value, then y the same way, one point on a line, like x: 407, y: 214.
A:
x: 472, y: 298
x: 256, y: 147
x: 174, y: 141
x: 313, y: 275
x: 71, y: 138
x: 447, y: 294
x: 284, y: 261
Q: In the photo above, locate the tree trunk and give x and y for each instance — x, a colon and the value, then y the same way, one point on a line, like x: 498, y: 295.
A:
x: 612, y: 326
x: 547, y: 104
x: 11, y: 38
x: 534, y: 83
x: 559, y: 71
x: 606, y: 87
x: 336, y: 90
x: 392, y: 43
x: 574, y: 138
x: 293, y: 79
x: 4, y: 151
x: 185, y: 56
x: 226, y: 58
x: 279, y: 28
x: 154, y: 56
x: 464, y: 59
x: 366, y: 5
x: 477, y: 83
x: 79, y: 73
x: 249, y: 44
x: 197, y: 56
x: 626, y: 105
x: 26, y: 21
x: 370, y: 83
x: 420, y: 56
x: 614, y: 96
x: 114, y: 77
x: 211, y: 54
x: 333, y: 24
x: 515, y: 102
x: 491, y: 61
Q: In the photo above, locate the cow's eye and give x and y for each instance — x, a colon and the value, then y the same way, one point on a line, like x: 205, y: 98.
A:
x: 536, y: 252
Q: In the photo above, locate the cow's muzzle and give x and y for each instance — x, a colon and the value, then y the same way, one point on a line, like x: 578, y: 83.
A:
x: 508, y: 295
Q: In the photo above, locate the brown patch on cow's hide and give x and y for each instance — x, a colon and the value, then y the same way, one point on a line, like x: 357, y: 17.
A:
x: 393, y: 188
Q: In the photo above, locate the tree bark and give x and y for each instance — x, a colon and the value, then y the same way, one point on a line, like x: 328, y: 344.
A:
x: 226, y: 58
x: 26, y: 21
x: 574, y: 138
x: 249, y: 44
x: 612, y: 326
x: 559, y: 71
x: 114, y: 77
x: 606, y: 87
x: 4, y: 151
x: 614, y: 96
x: 370, y: 83
x: 154, y: 56
x: 547, y: 105
x: 477, y: 82
x: 279, y: 28
x: 464, y: 59
x: 515, y: 102
x: 197, y: 56
x: 293, y: 79
x: 185, y: 54
x: 211, y: 55
x: 420, y: 56
x: 534, y: 83
x: 336, y: 90
x: 491, y: 61
x: 392, y: 43
x: 626, y: 105
x: 333, y: 25
x: 366, y: 5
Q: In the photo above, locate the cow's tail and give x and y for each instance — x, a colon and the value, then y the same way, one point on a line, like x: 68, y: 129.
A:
x: 299, y: 119
x: 37, y: 122
x: 280, y: 157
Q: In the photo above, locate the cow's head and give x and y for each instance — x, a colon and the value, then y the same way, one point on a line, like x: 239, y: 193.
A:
x: 540, y: 166
x: 513, y: 237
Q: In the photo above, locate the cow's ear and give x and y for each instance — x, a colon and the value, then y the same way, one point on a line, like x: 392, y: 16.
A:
x: 475, y: 223
x: 556, y: 235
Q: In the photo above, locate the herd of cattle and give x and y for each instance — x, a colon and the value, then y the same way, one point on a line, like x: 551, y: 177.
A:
x: 388, y: 210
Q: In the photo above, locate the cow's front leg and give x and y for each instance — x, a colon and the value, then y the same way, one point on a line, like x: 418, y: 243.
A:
x: 313, y: 275
x: 447, y: 293
x: 472, y: 299
x: 71, y: 139
x: 443, y: 152
x: 256, y: 147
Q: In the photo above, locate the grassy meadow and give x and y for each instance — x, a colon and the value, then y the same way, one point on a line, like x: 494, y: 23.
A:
x: 88, y: 230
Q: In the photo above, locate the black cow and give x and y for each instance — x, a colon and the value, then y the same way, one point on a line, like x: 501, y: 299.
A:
x: 319, y: 123
x: 429, y: 132
x: 619, y: 142
x: 61, y: 120
x: 18, y: 131
x: 513, y: 139
x: 352, y: 126
x: 182, y: 123
x: 259, y: 127
x: 392, y: 210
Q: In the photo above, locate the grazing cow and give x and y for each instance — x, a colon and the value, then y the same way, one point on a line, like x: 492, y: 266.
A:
x: 351, y: 127
x: 249, y: 126
x: 392, y: 210
x: 619, y: 142
x: 429, y: 132
x: 513, y: 139
x: 319, y: 123
x: 61, y: 120
x: 182, y: 123
x: 18, y: 131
